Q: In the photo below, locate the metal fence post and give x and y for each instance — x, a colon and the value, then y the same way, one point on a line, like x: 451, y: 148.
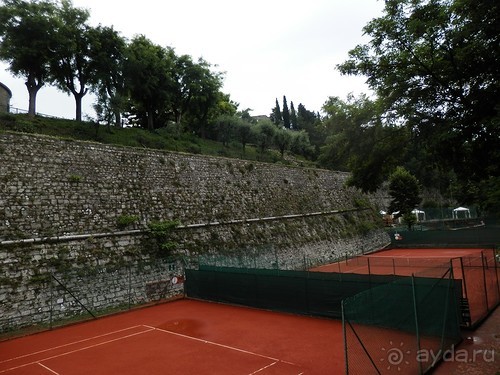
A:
x: 415, y: 311
x: 484, y: 283
x: 344, y: 331
x: 51, y: 300
x: 129, y: 287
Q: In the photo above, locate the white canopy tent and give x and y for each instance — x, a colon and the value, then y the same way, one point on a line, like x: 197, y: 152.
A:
x: 419, y: 214
x: 458, y: 210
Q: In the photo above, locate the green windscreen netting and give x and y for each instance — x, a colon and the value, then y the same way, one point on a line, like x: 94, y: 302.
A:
x: 301, y: 292
x: 404, y: 326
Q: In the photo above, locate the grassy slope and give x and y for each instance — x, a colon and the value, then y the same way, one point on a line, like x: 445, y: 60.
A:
x: 161, y: 139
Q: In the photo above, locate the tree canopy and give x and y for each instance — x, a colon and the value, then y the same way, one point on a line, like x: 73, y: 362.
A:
x: 51, y: 42
x: 27, y: 42
x: 434, y: 67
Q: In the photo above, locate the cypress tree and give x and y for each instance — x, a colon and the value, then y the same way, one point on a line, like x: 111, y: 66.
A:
x: 286, y: 114
x: 276, y: 114
x: 293, y: 117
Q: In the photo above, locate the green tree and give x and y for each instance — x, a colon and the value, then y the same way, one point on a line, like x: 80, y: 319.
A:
x: 148, y: 75
x: 205, y: 97
x: 282, y: 140
x: 434, y: 66
x: 245, y: 116
x: 108, y: 57
x: 72, y: 68
x: 404, y: 190
x: 359, y: 142
x: 311, y: 123
x: 27, y: 42
x: 263, y: 134
x: 286, y: 114
x: 243, y: 133
x: 301, y: 145
x: 276, y: 115
x: 195, y: 88
x: 225, y: 126
x: 345, y: 122
x: 293, y: 118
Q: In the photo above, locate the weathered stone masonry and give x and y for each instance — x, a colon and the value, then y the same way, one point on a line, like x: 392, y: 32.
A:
x: 60, y: 201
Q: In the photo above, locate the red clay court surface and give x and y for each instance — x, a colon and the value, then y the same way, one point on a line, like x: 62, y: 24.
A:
x: 184, y: 336
x: 481, y: 279
x: 435, y: 256
x: 194, y: 337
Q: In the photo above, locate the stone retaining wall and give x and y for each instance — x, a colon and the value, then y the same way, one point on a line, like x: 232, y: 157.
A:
x: 61, y: 202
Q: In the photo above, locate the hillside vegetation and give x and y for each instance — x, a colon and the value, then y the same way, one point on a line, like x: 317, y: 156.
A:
x: 162, y: 139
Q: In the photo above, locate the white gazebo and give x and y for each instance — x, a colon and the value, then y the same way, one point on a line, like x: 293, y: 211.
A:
x: 419, y: 214
x: 464, y: 210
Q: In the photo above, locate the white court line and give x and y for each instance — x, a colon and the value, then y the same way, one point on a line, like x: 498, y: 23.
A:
x: 354, y: 269
x: 221, y: 345
x: 263, y: 368
x: 49, y: 369
x: 76, y: 350
x: 69, y: 344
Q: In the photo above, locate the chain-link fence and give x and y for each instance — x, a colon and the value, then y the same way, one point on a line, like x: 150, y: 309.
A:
x: 402, y: 327
x: 51, y: 299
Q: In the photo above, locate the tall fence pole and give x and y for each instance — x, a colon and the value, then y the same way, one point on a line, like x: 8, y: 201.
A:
x: 496, y: 271
x: 415, y: 311
x: 445, y: 315
x: 464, y: 281
x: 344, y: 331
x: 51, y: 302
x: 484, y: 283
x: 129, y: 287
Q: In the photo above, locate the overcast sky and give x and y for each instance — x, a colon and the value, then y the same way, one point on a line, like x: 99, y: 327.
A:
x: 267, y: 48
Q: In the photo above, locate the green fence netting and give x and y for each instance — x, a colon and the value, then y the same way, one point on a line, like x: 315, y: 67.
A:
x: 300, y: 292
x: 268, y: 257
x: 448, y: 233
x: 404, y: 326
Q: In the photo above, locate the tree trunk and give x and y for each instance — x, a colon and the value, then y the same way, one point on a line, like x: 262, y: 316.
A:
x: 78, y: 101
x: 150, y: 120
x: 78, y: 115
x: 32, y: 102
x: 118, y: 119
x: 33, y: 87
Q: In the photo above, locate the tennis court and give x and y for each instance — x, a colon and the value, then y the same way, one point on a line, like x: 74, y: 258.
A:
x: 198, y: 337
x: 475, y: 267
x: 184, y: 336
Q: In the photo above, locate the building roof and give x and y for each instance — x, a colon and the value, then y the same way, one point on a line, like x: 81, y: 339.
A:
x: 6, y: 89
